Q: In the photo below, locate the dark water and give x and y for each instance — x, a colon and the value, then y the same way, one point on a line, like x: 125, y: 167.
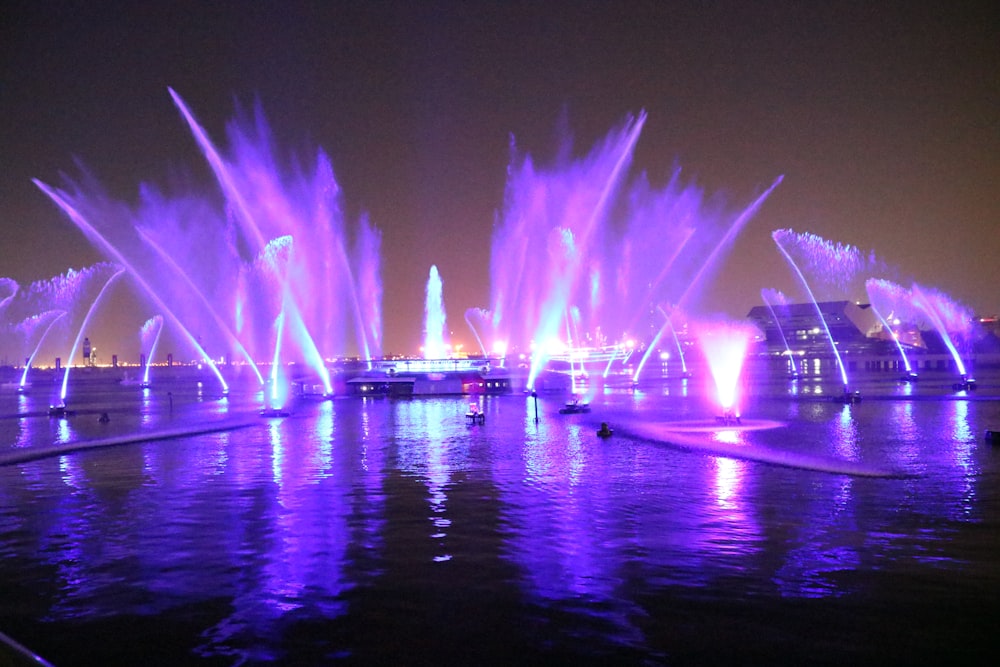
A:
x: 391, y: 532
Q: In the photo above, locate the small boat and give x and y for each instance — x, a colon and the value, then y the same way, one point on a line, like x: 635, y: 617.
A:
x: 605, y: 431
x: 574, y: 407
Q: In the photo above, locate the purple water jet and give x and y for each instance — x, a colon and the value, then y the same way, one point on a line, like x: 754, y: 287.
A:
x: 8, y: 290
x: 725, y: 345
x: 582, y: 252
x: 434, y: 318
x: 949, y: 319
x: 885, y: 297
x: 786, y: 236
x: 149, y: 337
x: 79, y: 336
x: 770, y: 297
x: 47, y: 321
x: 202, y: 262
x: 64, y: 200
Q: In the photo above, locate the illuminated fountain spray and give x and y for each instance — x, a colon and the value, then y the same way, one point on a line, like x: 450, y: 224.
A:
x: 179, y: 274
x: 43, y: 310
x: 724, y: 345
x: 770, y: 297
x: 65, y: 200
x: 948, y: 319
x: 570, y: 246
x: 547, y: 244
x: 45, y: 321
x: 262, y: 211
x: 196, y: 258
x: 890, y: 298
x: 581, y: 236
x: 786, y: 236
x: 367, y: 254
x: 434, y: 318
x: 668, y: 325
x: 79, y: 336
x: 277, y: 393
x: 706, y: 263
x: 8, y: 290
x: 149, y: 338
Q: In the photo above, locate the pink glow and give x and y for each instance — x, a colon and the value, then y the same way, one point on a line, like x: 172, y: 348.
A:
x: 724, y: 345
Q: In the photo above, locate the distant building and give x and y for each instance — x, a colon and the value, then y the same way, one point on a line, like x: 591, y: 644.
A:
x: 799, y: 326
x: 863, y: 339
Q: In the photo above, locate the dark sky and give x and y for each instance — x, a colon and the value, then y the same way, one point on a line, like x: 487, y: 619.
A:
x: 884, y: 118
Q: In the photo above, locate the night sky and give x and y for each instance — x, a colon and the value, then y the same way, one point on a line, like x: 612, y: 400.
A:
x: 884, y: 119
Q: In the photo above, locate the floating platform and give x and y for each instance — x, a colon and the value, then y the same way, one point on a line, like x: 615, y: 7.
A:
x: 574, y: 408
x: 848, y: 398
x: 475, y: 415
x: 60, y: 411
x: 966, y: 384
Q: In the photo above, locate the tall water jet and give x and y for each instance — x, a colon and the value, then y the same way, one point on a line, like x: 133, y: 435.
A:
x: 180, y: 274
x: 726, y: 241
x: 668, y: 325
x: 31, y: 308
x: 79, y: 336
x: 63, y: 199
x: 434, y: 318
x: 780, y: 237
x: 949, y: 319
x: 278, y: 389
x: 724, y: 345
x: 710, y: 260
x: 149, y: 338
x: 581, y: 235
x: 265, y: 205
x: 770, y: 297
x: 884, y: 296
x: 367, y: 253
x: 568, y: 246
x: 49, y: 320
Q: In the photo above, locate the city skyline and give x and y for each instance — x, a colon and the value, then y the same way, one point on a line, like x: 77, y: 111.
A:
x: 882, y: 120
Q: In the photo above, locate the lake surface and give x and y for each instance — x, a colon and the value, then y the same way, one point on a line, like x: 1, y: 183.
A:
x: 390, y: 531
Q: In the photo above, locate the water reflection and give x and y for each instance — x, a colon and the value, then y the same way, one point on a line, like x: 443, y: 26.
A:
x: 363, y: 511
x: 960, y: 433
x: 844, y: 435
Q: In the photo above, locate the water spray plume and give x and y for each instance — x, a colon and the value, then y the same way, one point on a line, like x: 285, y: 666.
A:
x: 947, y: 317
x: 150, y: 337
x: 434, y: 318
x: 779, y: 237
x: 725, y: 345
x: 62, y: 200
x: 79, y: 336
x: 770, y: 297
x: 54, y: 316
